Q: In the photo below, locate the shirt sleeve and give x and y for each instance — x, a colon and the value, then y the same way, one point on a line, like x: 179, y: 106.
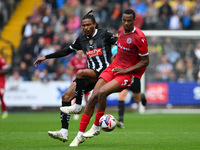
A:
x: 110, y: 38
x: 142, y: 46
x: 76, y: 45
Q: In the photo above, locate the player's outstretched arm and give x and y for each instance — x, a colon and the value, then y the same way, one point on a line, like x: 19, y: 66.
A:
x: 39, y: 60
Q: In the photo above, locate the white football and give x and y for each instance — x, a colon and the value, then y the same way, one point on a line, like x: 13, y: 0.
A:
x: 107, y: 122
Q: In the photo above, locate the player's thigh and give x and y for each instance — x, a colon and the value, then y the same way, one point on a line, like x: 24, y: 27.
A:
x: 88, y: 74
x: 108, y: 88
x: 122, y: 95
x: 70, y: 93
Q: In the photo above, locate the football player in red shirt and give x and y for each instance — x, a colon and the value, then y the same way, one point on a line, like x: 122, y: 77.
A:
x: 131, y: 61
x: 3, y: 70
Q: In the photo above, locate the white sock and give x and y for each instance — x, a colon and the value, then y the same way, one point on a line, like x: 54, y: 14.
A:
x: 80, y: 133
x: 63, y: 130
x: 96, y: 127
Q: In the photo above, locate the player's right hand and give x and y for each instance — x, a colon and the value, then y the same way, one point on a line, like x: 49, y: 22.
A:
x: 38, y: 61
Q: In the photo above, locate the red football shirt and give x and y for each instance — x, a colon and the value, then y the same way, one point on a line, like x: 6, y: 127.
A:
x: 78, y: 63
x: 130, y: 47
x: 2, y: 76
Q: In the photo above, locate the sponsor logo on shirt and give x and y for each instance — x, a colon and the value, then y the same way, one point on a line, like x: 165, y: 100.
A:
x: 94, y: 52
x: 122, y: 47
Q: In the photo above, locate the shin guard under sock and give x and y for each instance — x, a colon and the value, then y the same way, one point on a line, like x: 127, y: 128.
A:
x: 85, y: 119
x: 99, y: 114
x: 65, y: 117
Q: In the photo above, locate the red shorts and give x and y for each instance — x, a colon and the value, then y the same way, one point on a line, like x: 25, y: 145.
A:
x: 125, y: 80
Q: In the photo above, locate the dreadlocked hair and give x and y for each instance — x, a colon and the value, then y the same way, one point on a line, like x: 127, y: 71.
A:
x: 90, y: 16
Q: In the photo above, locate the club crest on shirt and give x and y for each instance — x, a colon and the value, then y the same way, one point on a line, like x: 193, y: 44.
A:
x: 129, y: 40
x: 91, y: 42
x: 142, y: 40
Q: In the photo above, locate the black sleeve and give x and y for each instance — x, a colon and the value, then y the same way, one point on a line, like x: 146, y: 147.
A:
x: 110, y: 38
x: 76, y: 45
x: 64, y: 52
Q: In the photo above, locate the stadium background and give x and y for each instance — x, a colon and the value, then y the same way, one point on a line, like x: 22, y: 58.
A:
x: 27, y: 26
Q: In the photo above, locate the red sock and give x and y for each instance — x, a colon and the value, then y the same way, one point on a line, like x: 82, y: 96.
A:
x: 99, y: 114
x: 3, y: 105
x: 85, y: 119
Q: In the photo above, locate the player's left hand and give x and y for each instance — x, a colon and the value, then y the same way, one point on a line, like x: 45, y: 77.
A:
x: 119, y: 70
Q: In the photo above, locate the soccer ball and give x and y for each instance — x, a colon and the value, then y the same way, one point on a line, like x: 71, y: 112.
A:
x: 107, y: 122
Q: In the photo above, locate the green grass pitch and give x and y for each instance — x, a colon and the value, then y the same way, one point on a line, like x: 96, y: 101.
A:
x: 28, y: 131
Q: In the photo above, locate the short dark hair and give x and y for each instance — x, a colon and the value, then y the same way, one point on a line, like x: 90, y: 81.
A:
x: 129, y: 11
x: 90, y: 16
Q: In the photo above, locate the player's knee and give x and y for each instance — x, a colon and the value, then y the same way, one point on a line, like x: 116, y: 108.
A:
x: 93, y: 101
x: 80, y: 74
x: 65, y: 98
x: 102, y: 93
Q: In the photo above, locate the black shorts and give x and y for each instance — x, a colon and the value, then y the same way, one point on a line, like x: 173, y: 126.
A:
x: 92, y: 85
x: 135, y: 87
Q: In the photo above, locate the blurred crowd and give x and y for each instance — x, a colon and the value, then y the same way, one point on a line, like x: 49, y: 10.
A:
x: 57, y: 23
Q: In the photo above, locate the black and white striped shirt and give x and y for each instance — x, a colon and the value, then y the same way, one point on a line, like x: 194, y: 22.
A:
x: 97, y: 48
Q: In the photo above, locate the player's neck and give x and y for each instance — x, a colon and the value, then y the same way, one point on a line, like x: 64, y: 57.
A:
x: 129, y: 31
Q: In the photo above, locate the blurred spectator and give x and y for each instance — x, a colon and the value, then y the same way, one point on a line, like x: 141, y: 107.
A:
x: 169, y: 50
x: 155, y: 42
x: 48, y: 49
x: 44, y: 76
x: 151, y: 16
x: 180, y: 70
x: 190, y: 71
x: 48, y: 16
x: 164, y: 71
x: 69, y: 7
x: 72, y: 34
x: 62, y: 32
x: 3, y: 13
x: 101, y: 13
x: 39, y: 46
x: 73, y: 22
x: 140, y: 9
x: 55, y: 24
x: 14, y: 80
x: 154, y: 58
x: 24, y: 71
x: 165, y: 12
x: 36, y: 16
x: 181, y: 11
x: 189, y: 51
x: 196, y: 13
x: 48, y: 33
x: 35, y: 35
x: 85, y: 8
x: 61, y: 17
x: 67, y: 75
x: 27, y: 28
x: 116, y: 16
x: 60, y: 3
x: 26, y: 51
x: 175, y: 22
x: 56, y: 42
x: 197, y: 52
x: 59, y: 73
x: 36, y: 75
